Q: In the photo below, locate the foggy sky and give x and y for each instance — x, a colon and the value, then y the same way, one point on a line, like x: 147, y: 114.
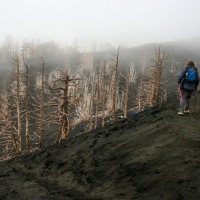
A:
x: 125, y: 22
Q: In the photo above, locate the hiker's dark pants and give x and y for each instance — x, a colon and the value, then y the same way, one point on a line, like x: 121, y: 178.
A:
x: 185, y: 96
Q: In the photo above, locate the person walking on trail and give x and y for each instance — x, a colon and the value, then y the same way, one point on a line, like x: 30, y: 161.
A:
x: 188, y: 82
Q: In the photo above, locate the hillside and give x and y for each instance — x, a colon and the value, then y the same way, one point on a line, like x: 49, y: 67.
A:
x: 180, y: 51
x: 153, y: 156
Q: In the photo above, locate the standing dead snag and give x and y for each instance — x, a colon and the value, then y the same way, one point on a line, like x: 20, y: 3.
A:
x: 88, y: 91
x: 131, y: 78
x: 27, y: 99
x: 97, y: 102
x: 19, y: 136
x: 92, y: 91
x: 142, y: 94
x: 103, y: 93
x: 155, y: 73
x: 62, y: 100
x: 39, y: 105
x: 46, y: 115
x: 20, y: 99
x: 149, y: 89
x: 41, y: 115
x: 115, y: 70
x: 17, y: 90
x: 7, y: 129
x: 64, y: 107
x: 139, y: 97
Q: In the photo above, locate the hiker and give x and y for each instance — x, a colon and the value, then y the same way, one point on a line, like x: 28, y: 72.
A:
x: 188, y: 82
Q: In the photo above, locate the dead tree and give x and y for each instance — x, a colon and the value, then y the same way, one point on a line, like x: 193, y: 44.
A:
x: 17, y: 89
x: 88, y: 93
x: 27, y: 99
x: 149, y: 88
x: 155, y: 74
x: 92, y: 91
x: 97, y: 97
x: 82, y: 110
x: 63, y: 101
x: 19, y: 134
x: 91, y: 86
x: 115, y: 72
x: 142, y: 94
x: 41, y: 112
x: 139, y: 97
x: 130, y: 78
x: 20, y: 96
x: 8, y: 139
x: 104, y: 80
x: 39, y: 105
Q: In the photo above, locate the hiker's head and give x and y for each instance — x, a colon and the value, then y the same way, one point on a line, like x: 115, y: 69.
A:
x: 190, y: 63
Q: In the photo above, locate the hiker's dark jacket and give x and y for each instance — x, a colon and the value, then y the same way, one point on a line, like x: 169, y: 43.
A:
x: 184, y: 85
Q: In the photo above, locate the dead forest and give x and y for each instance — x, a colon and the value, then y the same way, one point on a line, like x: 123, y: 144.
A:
x: 42, y: 107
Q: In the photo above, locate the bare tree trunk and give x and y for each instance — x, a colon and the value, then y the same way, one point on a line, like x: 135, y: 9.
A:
x: 18, y: 99
x: 27, y: 109
x: 58, y: 135
x: 62, y: 100
x: 139, y: 98
x: 156, y: 73
x: 15, y: 145
x: 126, y: 93
x: 115, y: 83
x: 103, y: 96
x: 91, y: 111
x: 7, y: 128
x: 103, y: 111
x: 65, y: 107
x: 153, y: 76
x: 41, y: 120
x: 97, y: 103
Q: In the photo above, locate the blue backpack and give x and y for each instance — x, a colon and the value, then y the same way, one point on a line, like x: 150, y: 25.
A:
x: 191, y: 74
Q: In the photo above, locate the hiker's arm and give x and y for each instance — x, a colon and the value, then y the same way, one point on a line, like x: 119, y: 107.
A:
x: 181, y: 76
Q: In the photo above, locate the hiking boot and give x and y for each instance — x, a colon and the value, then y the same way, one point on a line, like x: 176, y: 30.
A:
x: 180, y: 112
x: 186, y: 111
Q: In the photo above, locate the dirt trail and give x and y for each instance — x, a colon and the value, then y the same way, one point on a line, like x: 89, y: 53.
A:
x: 153, y: 156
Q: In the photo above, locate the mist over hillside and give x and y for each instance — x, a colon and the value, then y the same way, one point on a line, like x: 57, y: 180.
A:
x: 180, y: 51
x: 144, y: 156
x: 89, y: 100
x: 141, y: 56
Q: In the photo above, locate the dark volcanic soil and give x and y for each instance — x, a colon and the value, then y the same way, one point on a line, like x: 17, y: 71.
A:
x: 154, y: 156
